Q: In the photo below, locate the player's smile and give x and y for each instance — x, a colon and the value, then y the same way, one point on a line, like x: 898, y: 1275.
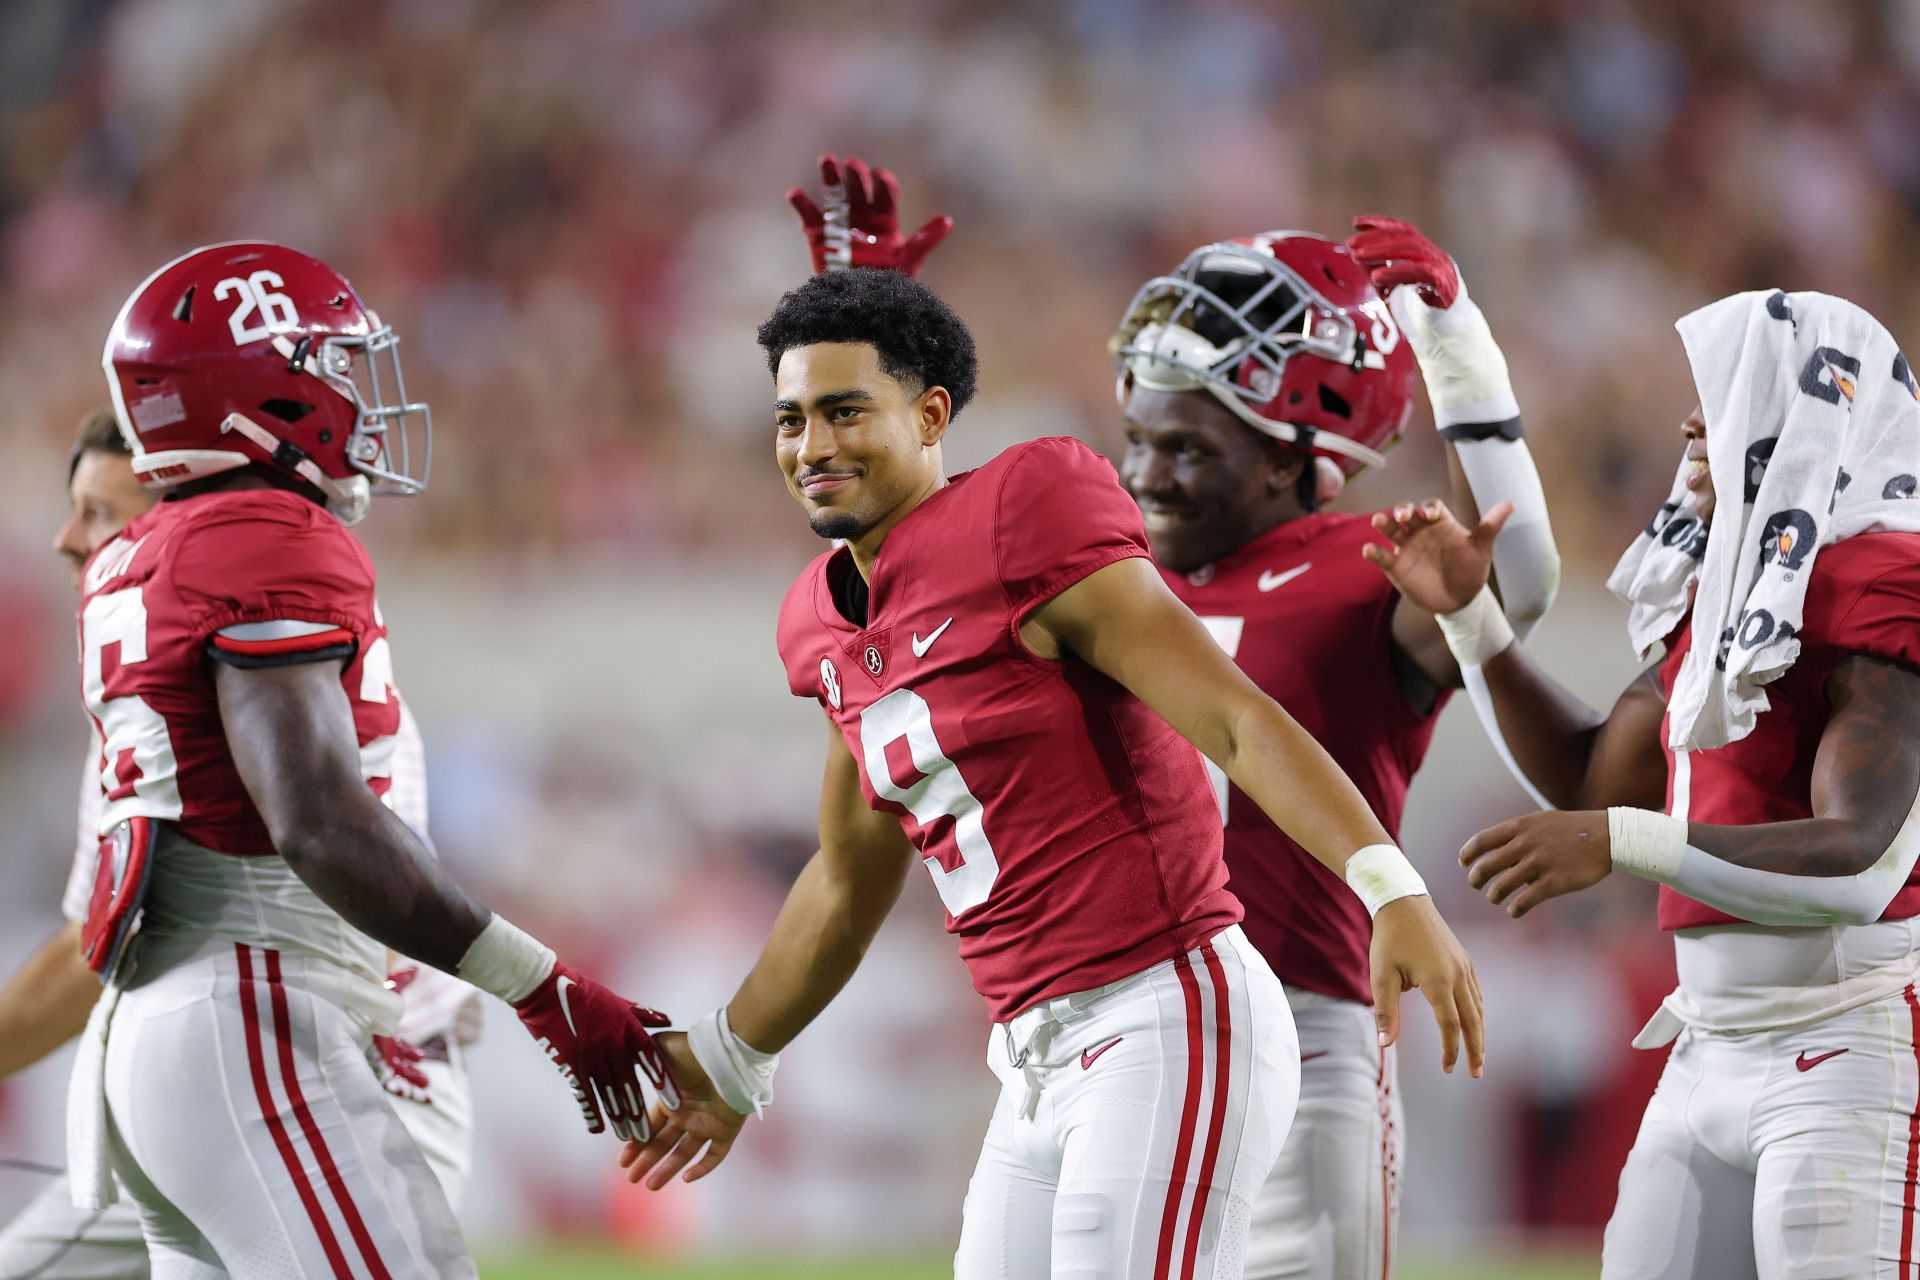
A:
x: 1700, y: 480
x: 1200, y: 477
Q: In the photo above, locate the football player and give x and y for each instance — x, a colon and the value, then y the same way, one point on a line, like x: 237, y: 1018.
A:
x: 1015, y: 699
x: 47, y: 1001
x: 1254, y: 379
x: 1764, y: 772
x: 252, y: 878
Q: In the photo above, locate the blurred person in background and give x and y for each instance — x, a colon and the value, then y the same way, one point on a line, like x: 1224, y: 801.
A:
x: 1008, y: 683
x: 253, y: 880
x: 1254, y: 379
x: 47, y: 1001
x: 1766, y: 774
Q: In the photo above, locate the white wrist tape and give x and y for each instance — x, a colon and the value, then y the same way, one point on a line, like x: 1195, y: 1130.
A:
x: 1646, y: 843
x: 741, y: 1074
x: 1464, y: 368
x: 1478, y: 631
x: 1381, y: 874
x: 506, y: 961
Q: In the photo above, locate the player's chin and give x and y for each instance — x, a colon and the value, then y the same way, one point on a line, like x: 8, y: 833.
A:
x: 836, y: 521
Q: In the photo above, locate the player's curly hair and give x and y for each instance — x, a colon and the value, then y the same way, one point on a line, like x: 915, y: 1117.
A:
x: 918, y: 337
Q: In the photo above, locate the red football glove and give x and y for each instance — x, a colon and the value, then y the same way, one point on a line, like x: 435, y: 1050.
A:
x: 601, y: 1044
x: 1396, y: 253
x: 860, y: 226
x: 396, y: 1064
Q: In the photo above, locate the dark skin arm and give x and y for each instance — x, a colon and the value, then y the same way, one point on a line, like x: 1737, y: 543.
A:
x: 1865, y: 777
x: 290, y: 730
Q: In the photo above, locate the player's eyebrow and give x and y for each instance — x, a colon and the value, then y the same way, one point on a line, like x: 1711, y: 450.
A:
x: 826, y: 401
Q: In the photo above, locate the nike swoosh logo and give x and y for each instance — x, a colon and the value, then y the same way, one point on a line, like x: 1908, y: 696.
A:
x: 1087, y: 1056
x: 566, y: 1009
x: 920, y: 646
x: 1318, y: 1053
x: 1271, y: 580
x: 1807, y: 1064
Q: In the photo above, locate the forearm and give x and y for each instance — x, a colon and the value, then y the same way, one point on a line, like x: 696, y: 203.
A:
x: 822, y: 933
x: 1548, y: 733
x: 47, y: 1002
x: 1817, y: 871
x: 360, y: 859
x: 1491, y: 465
x: 1297, y: 785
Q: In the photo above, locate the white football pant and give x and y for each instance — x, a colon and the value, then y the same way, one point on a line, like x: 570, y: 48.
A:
x: 52, y: 1240
x: 1330, y: 1210
x: 248, y: 1128
x: 1135, y: 1124
x: 1788, y: 1154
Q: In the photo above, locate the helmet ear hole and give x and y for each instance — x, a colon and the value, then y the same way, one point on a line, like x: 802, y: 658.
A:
x: 1333, y: 402
x: 286, y: 410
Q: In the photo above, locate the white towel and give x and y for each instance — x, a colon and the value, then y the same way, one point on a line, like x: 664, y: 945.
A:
x: 1813, y: 435
x: 89, y: 1173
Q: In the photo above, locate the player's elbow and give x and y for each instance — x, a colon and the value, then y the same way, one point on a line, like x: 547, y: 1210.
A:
x: 324, y: 824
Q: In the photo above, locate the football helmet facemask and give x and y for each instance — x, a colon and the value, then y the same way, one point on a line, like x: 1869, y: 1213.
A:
x: 1286, y: 330
x: 251, y: 352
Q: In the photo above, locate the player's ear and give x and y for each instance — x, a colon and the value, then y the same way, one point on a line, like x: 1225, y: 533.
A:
x: 1283, y: 467
x: 932, y: 412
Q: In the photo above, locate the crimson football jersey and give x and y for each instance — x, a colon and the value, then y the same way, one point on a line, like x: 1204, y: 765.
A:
x: 256, y: 577
x: 1864, y: 598
x: 1071, y: 832
x: 1311, y: 623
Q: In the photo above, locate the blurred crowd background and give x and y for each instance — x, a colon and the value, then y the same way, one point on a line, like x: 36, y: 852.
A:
x: 573, y: 212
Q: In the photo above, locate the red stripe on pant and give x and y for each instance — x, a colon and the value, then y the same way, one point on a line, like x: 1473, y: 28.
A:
x: 1189, y: 1112
x: 257, y: 1066
x: 1216, y: 1123
x: 342, y: 1195
x: 1913, y: 1148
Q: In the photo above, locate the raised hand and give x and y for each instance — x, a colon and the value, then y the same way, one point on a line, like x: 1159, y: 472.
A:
x: 1524, y: 861
x: 1413, y: 948
x: 702, y: 1120
x: 1396, y: 253
x: 857, y: 222
x: 1431, y: 558
x: 603, y: 1045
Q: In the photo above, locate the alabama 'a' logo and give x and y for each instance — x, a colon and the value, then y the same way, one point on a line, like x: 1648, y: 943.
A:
x: 1788, y: 538
x: 830, y: 682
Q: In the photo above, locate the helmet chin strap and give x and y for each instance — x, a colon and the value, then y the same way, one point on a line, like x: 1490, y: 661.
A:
x: 346, y: 499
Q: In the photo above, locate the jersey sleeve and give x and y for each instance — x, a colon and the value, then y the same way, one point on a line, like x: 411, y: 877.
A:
x: 1060, y: 516
x: 274, y: 585
x: 1882, y: 618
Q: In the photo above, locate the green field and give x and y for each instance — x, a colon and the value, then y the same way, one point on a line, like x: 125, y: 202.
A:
x: 592, y: 1265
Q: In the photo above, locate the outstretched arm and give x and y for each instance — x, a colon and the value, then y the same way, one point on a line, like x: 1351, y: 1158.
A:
x: 1124, y: 622
x: 290, y: 731
x: 725, y: 1064
x: 1567, y: 754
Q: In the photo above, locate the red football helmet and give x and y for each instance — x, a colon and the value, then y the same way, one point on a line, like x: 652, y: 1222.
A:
x: 1285, y: 329
x: 256, y: 353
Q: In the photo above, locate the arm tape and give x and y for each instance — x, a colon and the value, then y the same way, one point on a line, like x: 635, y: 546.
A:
x: 1380, y: 873
x: 1505, y: 429
x: 741, y: 1074
x: 1764, y: 897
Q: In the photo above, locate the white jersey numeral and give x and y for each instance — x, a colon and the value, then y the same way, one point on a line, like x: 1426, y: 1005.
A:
x: 127, y: 722
x: 376, y: 673
x: 262, y: 312
x: 1226, y: 634
x: 940, y: 793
